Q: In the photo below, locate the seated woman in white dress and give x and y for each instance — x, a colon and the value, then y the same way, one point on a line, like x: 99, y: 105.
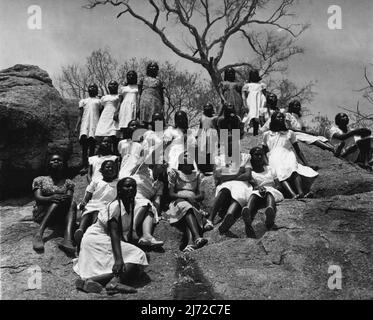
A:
x: 353, y: 145
x: 178, y: 141
x: 265, y: 194
x: 280, y: 143
x: 295, y: 123
x: 232, y: 174
x: 107, y: 257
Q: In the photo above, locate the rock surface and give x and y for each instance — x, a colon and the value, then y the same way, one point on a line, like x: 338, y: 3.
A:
x: 34, y: 121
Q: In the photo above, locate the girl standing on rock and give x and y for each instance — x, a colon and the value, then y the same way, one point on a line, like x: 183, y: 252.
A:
x: 231, y: 91
x: 88, y: 118
x: 280, y: 144
x: 54, y: 204
x: 107, y: 257
x: 107, y: 126
x: 265, y: 193
x: 184, y: 212
x: 254, y: 100
x: 104, y: 152
x: 128, y: 101
x: 295, y: 123
x: 151, y: 95
x: 98, y: 194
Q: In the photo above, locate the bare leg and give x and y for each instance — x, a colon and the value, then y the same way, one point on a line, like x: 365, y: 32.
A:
x: 221, y: 203
x: 84, y: 144
x: 144, y: 226
x: 248, y: 214
x: 233, y: 213
x: 324, y: 145
x: 298, y: 184
x: 92, y: 146
x: 67, y: 244
x: 286, y: 185
x: 86, y: 221
x: 255, y: 127
x: 270, y: 210
x: 195, y: 230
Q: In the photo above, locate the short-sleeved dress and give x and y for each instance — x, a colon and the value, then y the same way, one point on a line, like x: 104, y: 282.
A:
x: 206, y: 137
x: 232, y: 93
x: 147, y: 190
x: 48, y: 188
x: 151, y: 98
x: 176, y: 148
x: 128, y: 108
x: 348, y: 142
x: 90, y: 116
x: 266, y: 179
x: 294, y: 122
x: 282, y: 158
x: 130, y: 152
x: 106, y: 126
x: 96, y: 253
x: 96, y: 162
x: 255, y: 100
x: 153, y: 141
x: 186, y: 185
x: 103, y: 193
x: 240, y: 190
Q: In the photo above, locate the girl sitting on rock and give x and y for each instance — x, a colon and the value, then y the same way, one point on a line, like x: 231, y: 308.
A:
x: 54, y: 204
x: 88, y: 118
x: 265, y: 193
x: 232, y: 175
x: 107, y: 257
x: 353, y: 145
x: 184, y: 212
x: 280, y: 144
x: 295, y: 123
x: 98, y: 194
x: 104, y: 152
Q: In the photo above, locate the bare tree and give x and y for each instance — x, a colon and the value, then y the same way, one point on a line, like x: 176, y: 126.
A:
x: 358, y: 118
x: 209, y: 25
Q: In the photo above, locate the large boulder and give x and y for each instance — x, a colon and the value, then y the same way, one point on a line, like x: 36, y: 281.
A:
x: 34, y: 122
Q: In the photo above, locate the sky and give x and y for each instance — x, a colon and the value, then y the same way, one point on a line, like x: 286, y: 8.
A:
x: 333, y: 59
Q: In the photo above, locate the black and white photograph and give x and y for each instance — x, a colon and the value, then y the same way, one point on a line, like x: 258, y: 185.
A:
x: 199, y: 151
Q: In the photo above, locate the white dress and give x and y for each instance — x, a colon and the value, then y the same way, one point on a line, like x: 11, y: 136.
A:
x: 348, y: 142
x: 240, y: 190
x: 96, y: 252
x: 153, y: 141
x: 96, y: 162
x: 106, y: 126
x: 130, y: 152
x: 294, y: 122
x: 255, y: 100
x: 176, y: 148
x: 102, y: 194
x: 282, y: 158
x: 128, y: 108
x: 90, y: 116
x: 266, y: 179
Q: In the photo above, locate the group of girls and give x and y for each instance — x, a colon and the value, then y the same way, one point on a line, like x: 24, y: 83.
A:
x: 133, y: 180
x: 110, y: 115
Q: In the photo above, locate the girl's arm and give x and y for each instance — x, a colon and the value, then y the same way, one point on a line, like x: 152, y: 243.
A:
x: 79, y: 121
x: 90, y: 173
x: 356, y: 132
x: 299, y: 153
x: 87, y: 197
x: 115, y: 237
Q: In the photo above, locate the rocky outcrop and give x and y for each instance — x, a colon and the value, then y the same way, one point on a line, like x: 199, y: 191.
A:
x: 34, y: 121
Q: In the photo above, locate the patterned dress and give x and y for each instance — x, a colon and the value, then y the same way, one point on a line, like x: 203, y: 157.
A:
x: 232, y: 94
x: 48, y: 188
x: 151, y: 98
